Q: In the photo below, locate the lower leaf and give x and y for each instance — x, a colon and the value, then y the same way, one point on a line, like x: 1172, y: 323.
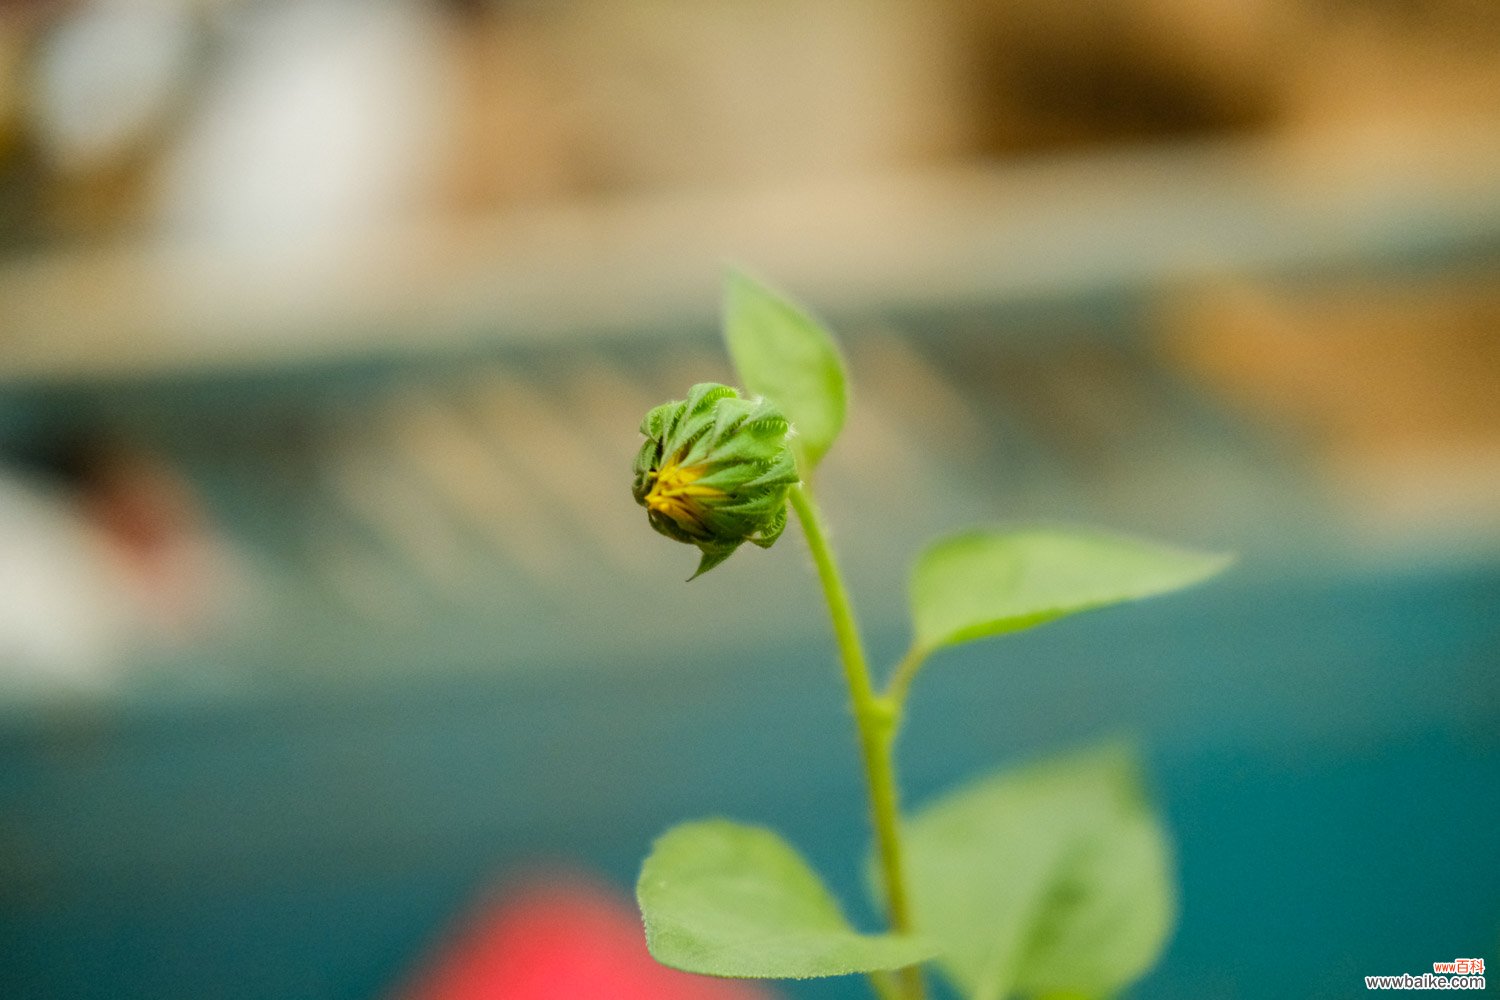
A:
x: 726, y: 899
x: 1054, y: 879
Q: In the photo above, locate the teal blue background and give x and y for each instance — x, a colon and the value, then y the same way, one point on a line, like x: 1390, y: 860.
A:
x: 1326, y: 752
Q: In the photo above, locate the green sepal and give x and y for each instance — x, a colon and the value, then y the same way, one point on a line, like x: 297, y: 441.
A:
x: 714, y: 471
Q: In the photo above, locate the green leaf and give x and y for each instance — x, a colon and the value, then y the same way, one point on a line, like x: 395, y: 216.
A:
x: 725, y: 899
x: 782, y: 353
x: 1052, y: 879
x: 985, y: 583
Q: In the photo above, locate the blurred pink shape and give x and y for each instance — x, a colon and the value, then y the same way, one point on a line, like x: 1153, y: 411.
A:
x: 561, y: 940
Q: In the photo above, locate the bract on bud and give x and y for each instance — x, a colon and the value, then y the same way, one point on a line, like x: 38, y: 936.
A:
x: 715, y: 470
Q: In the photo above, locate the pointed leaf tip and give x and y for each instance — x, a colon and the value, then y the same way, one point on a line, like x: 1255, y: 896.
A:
x: 990, y: 582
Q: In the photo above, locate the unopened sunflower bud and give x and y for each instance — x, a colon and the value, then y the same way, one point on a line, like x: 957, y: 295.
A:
x: 714, y: 471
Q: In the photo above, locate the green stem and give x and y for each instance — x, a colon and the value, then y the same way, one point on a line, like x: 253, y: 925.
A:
x: 902, y: 676
x: 877, y: 720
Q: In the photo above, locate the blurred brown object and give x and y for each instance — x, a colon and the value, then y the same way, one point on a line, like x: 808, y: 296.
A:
x: 1050, y: 74
x: 1393, y: 70
x: 662, y: 92
x: 1394, y: 386
x: 1047, y: 74
x: 510, y: 140
x: 12, y: 47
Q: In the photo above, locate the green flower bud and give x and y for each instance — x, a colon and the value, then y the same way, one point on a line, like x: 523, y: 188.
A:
x: 714, y: 471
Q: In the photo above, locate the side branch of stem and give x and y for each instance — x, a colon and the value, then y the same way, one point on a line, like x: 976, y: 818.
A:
x: 901, y: 678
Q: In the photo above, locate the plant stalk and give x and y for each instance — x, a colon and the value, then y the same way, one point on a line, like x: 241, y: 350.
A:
x: 877, y: 720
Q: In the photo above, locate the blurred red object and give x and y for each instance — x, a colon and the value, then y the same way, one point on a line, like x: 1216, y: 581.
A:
x: 561, y: 940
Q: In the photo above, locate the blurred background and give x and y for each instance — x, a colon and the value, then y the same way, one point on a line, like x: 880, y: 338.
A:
x: 325, y: 328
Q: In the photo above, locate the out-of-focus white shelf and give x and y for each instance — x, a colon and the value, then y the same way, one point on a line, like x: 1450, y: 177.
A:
x: 938, y: 239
